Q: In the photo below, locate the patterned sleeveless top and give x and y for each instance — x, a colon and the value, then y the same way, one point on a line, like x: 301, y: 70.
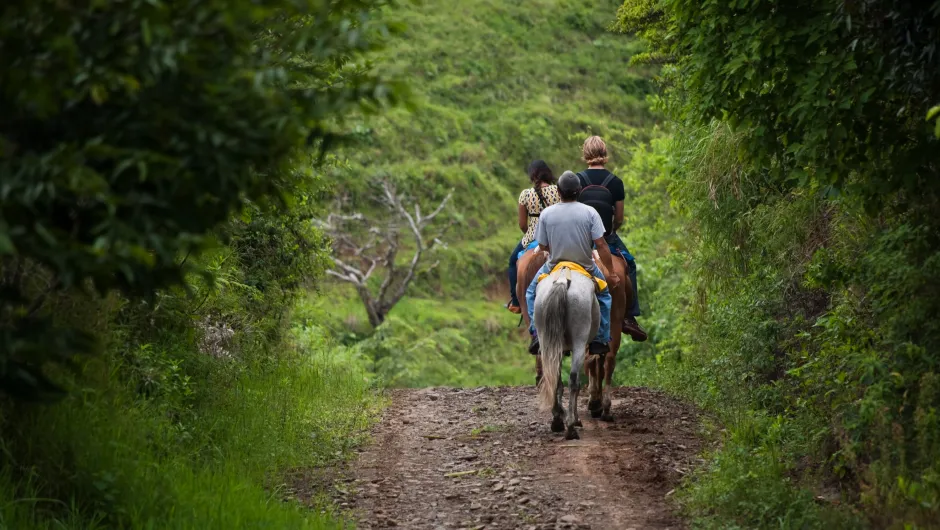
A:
x: 530, y: 200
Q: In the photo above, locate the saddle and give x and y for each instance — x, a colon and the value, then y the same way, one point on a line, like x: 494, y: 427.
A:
x: 569, y: 267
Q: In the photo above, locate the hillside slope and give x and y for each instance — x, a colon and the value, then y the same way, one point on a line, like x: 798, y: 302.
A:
x: 497, y: 84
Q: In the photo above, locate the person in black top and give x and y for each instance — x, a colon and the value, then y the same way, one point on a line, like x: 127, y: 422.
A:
x: 595, y: 155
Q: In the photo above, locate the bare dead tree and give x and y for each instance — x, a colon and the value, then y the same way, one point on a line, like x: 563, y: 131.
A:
x: 363, y: 249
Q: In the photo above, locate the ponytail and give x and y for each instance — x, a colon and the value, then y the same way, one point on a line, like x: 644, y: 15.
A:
x: 538, y: 192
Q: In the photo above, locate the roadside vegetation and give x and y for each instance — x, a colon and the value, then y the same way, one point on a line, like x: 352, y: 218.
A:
x: 159, y: 164
x: 793, y: 279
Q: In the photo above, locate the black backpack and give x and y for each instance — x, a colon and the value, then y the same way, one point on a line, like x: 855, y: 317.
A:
x: 600, y: 198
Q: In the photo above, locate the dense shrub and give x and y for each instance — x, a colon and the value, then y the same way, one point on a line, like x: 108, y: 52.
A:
x: 132, y: 130
x: 805, y: 178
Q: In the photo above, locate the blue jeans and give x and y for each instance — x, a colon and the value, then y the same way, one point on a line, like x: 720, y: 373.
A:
x: 603, y: 332
x: 513, y: 273
x: 617, y: 246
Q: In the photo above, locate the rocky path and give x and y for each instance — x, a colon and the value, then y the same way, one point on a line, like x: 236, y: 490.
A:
x: 485, y: 459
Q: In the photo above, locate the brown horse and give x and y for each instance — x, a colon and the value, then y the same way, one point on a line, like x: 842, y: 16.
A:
x: 598, y: 373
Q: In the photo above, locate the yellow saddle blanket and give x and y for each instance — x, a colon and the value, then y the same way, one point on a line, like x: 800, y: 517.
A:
x: 574, y: 267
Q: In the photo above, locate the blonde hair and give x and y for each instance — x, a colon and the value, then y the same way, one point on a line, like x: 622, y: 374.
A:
x: 594, y: 151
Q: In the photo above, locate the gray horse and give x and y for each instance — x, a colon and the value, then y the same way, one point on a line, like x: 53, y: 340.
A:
x: 567, y: 317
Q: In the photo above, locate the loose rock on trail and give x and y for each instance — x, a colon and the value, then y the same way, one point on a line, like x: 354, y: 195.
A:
x: 446, y: 458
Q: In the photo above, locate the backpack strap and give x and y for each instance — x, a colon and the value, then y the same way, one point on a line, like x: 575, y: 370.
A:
x: 541, y: 202
x: 585, y: 182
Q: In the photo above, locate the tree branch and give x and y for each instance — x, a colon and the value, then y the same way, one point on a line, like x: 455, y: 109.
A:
x: 381, y: 250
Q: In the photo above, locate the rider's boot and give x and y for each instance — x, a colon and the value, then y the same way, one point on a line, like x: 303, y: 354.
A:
x: 534, y: 345
x: 598, y: 348
x: 632, y: 327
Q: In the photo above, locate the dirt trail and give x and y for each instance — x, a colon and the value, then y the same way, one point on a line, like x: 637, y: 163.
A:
x: 447, y: 458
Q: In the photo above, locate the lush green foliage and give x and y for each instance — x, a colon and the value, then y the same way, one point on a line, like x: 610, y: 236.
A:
x: 201, y: 404
x: 154, y: 195
x: 164, y: 434
x: 157, y: 184
x: 132, y: 130
x: 795, y: 283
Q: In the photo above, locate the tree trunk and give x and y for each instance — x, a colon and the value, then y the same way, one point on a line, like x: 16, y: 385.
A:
x: 376, y: 317
x: 373, y: 307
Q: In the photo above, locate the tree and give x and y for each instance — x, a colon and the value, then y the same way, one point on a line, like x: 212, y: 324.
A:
x: 820, y: 88
x: 362, y: 248
x: 132, y: 130
x: 805, y: 122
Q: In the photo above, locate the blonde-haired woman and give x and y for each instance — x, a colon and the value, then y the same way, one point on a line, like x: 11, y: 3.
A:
x: 532, y: 201
x: 610, y: 207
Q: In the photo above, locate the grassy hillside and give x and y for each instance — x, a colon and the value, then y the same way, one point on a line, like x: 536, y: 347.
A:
x: 496, y: 85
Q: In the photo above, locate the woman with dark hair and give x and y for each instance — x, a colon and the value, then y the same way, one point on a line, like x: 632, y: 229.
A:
x: 532, y: 201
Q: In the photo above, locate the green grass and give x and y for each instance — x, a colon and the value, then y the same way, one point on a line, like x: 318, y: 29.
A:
x: 498, y: 84
x: 107, y: 458
x: 427, y: 342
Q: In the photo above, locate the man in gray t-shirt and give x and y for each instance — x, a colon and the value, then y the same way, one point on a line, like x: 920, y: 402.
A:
x: 569, y: 231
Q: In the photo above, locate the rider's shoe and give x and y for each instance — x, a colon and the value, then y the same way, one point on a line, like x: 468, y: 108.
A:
x: 534, y: 346
x: 598, y: 348
x: 514, y: 308
x: 632, y: 327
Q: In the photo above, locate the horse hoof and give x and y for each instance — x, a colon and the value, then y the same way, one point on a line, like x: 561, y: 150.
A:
x: 572, y: 434
x: 578, y: 424
x: 558, y: 425
x: 594, y: 404
x: 607, y: 417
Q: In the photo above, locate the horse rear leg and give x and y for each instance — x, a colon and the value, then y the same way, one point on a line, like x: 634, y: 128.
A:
x: 577, y: 363
x: 595, y: 371
x: 558, y: 411
x: 609, y: 364
x: 623, y: 295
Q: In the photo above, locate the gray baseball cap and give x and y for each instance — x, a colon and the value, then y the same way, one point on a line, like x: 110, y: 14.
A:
x: 569, y: 184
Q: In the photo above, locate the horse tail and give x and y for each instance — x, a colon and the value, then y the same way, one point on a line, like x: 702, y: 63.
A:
x: 552, y: 339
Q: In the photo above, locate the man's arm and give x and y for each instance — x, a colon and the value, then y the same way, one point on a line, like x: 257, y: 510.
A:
x: 604, y: 252
x: 618, y: 215
x: 620, y: 195
x: 597, y: 234
x: 541, y: 236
